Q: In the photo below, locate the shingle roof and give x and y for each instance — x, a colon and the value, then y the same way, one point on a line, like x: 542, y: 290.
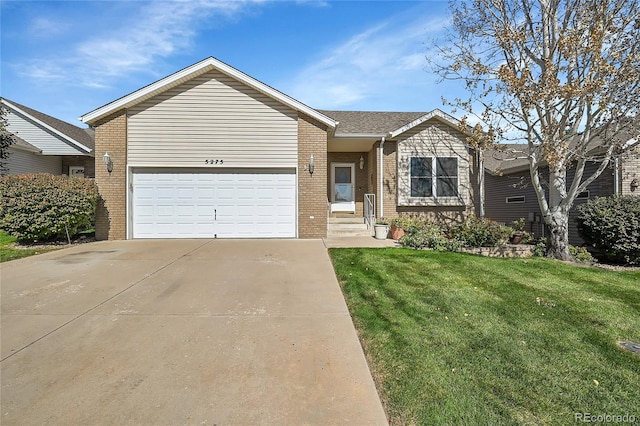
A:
x: 370, y: 122
x: 506, y: 157
x: 80, y: 135
x: 19, y: 142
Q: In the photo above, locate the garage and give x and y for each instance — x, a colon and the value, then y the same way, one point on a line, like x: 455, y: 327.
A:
x: 201, y: 203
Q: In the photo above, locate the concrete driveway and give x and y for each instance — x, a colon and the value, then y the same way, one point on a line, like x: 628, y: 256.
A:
x: 181, y: 332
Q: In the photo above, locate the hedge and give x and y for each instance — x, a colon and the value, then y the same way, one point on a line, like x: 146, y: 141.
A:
x: 611, y: 226
x: 41, y: 207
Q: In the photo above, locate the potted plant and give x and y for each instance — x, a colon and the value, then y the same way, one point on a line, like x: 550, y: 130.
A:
x: 397, y: 228
x: 381, y: 229
x: 518, y: 231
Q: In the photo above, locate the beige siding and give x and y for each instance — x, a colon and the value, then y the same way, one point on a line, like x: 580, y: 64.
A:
x: 433, y: 139
x: 212, y: 117
x: 22, y: 162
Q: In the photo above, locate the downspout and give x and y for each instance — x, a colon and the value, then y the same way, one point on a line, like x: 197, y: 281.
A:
x: 381, y: 177
x: 616, y: 176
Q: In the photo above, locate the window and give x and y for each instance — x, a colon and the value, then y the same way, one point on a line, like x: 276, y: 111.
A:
x: 421, y: 177
x: 426, y: 183
x: 516, y: 199
x: 584, y: 195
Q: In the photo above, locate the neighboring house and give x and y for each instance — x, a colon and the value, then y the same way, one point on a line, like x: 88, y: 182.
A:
x: 509, y: 194
x: 211, y: 152
x: 44, y: 144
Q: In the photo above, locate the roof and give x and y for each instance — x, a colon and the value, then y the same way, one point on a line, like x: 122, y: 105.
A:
x: 186, y: 74
x: 506, y: 158
x: 370, y: 122
x: 378, y: 123
x: 20, y: 143
x: 79, y: 137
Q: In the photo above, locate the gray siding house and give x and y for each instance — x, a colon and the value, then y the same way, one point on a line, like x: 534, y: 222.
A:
x: 509, y: 194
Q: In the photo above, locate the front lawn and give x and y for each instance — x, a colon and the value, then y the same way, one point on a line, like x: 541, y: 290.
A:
x: 461, y: 339
x: 8, y: 250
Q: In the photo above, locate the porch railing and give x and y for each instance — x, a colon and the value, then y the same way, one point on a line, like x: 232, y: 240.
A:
x: 369, y: 210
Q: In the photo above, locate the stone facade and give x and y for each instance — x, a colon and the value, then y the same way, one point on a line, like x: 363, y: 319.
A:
x: 312, y: 188
x: 111, y: 215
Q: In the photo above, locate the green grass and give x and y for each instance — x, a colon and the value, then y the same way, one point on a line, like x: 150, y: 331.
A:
x: 462, y: 339
x: 8, y: 251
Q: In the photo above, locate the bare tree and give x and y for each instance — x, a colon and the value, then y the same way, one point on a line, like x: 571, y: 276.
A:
x: 561, y: 75
x: 6, y: 139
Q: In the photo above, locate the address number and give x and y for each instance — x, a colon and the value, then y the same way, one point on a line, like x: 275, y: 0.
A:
x: 214, y: 161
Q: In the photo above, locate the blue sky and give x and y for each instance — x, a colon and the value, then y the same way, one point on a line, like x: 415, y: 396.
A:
x: 68, y: 58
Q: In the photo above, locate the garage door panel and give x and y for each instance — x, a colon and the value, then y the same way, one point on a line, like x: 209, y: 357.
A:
x: 188, y: 204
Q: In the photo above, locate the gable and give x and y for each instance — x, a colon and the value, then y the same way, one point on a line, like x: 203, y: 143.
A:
x: 433, y: 138
x: 43, y: 138
x: 193, y: 71
x: 212, y: 117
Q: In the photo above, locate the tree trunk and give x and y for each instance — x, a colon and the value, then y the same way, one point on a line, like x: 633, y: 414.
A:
x: 558, y: 240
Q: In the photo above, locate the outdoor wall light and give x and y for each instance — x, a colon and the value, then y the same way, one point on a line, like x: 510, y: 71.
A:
x: 361, y: 162
x: 634, y: 184
x: 312, y: 164
x: 106, y: 159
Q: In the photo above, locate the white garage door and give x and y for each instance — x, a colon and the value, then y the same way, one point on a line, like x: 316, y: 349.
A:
x: 205, y: 204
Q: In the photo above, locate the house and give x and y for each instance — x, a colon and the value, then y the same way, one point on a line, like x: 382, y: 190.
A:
x: 44, y: 144
x: 509, y: 194
x: 212, y: 152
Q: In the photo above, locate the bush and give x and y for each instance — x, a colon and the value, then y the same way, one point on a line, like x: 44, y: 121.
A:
x: 41, y: 207
x: 611, y: 225
x: 581, y: 255
x: 480, y: 232
x: 430, y: 235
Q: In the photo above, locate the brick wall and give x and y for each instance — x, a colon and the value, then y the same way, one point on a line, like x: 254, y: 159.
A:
x: 630, y: 170
x: 312, y: 188
x: 80, y: 160
x: 111, y: 137
x: 390, y: 180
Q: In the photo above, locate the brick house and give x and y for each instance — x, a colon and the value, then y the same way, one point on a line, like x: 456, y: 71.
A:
x: 44, y: 144
x: 210, y: 152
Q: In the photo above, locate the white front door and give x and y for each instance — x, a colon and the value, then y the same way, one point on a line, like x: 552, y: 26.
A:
x: 343, y: 189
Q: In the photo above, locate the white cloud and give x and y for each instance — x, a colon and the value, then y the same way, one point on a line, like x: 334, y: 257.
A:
x: 154, y: 31
x: 42, y: 27
x: 378, y: 62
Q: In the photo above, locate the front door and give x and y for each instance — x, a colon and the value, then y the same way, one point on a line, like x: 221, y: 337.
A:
x: 343, y: 190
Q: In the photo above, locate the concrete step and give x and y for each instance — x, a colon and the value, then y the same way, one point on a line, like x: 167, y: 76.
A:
x: 347, y: 229
x: 339, y: 220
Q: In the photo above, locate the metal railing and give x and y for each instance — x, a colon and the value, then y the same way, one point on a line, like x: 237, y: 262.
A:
x: 369, y: 210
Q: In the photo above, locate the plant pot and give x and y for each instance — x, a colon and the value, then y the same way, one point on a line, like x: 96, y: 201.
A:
x: 396, y: 232
x: 515, y: 239
x: 381, y: 232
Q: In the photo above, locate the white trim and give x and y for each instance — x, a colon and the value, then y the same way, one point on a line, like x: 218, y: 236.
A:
x: 29, y: 148
x: 343, y: 206
x: 578, y: 196
x: 46, y: 126
x: 508, y: 199
x: 192, y: 71
x: 436, y: 113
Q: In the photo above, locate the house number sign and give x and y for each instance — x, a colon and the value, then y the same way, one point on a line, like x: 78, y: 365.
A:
x: 216, y: 161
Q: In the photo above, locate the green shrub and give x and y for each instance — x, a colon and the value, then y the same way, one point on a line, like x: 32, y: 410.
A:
x: 611, y: 225
x: 430, y: 235
x: 409, y: 224
x: 480, y: 232
x: 41, y: 207
x: 581, y: 255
